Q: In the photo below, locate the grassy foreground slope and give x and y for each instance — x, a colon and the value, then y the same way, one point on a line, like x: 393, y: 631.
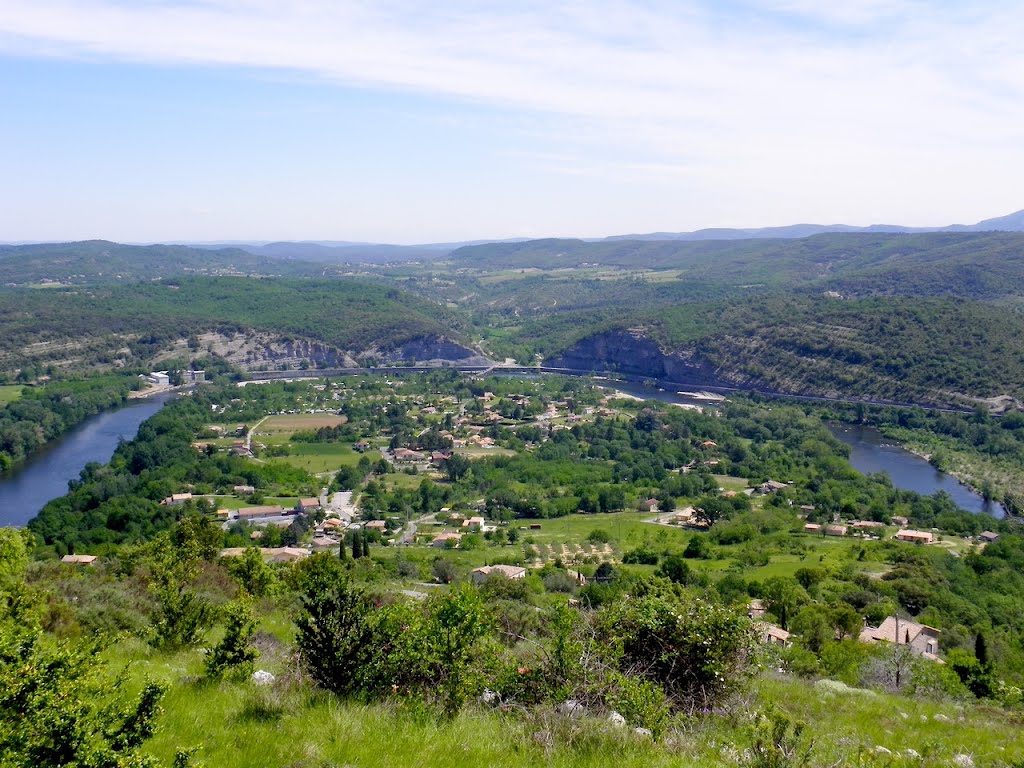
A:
x: 240, y: 725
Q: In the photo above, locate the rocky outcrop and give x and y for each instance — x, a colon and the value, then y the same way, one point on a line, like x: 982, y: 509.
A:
x: 255, y: 351
x: 631, y: 352
x: 428, y: 350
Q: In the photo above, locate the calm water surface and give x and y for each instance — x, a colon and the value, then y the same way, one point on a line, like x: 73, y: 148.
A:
x: 45, y: 476
x: 872, y: 452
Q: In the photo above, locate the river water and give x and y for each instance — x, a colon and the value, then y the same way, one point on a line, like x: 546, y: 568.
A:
x: 871, y: 452
x: 25, y: 490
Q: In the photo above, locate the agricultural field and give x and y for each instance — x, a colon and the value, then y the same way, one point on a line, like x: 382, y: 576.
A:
x: 9, y: 393
x: 322, y: 457
x: 292, y: 423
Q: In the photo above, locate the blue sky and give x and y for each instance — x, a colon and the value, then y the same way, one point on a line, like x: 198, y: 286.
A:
x: 401, y: 121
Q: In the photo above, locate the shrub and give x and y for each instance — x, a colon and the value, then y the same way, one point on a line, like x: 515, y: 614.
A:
x: 457, y: 620
x: 676, y: 569
x: 697, y: 548
x: 234, y: 655
x: 560, y: 581
x: 642, y: 702
x: 335, y: 638
x: 640, y: 556
x: 60, y: 706
x: 697, y: 651
x: 252, y: 573
x: 599, y: 536
x: 778, y: 741
x: 936, y: 681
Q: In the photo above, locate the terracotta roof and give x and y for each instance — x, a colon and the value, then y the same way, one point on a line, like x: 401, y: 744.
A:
x: 508, y: 571
x: 79, y: 559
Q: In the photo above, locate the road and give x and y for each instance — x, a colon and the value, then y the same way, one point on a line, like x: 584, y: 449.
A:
x: 409, y: 529
x: 249, y: 434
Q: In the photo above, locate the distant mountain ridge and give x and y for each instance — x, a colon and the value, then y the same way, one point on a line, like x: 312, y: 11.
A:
x: 101, y: 261
x: 1013, y: 222
x: 307, y: 256
x: 349, y: 252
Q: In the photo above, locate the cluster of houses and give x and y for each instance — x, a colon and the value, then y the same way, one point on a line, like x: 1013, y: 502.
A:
x: 512, y: 572
x: 452, y: 539
x: 920, y: 639
x: 875, y: 529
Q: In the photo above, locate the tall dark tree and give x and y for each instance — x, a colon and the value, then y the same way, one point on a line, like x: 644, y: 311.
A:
x: 334, y: 632
x: 981, y: 649
x: 357, y: 545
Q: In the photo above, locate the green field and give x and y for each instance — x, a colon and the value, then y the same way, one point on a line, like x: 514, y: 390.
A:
x: 9, y: 393
x: 322, y: 457
x: 627, y: 530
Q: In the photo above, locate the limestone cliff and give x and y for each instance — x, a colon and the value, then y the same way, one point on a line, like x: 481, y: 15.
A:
x: 632, y: 352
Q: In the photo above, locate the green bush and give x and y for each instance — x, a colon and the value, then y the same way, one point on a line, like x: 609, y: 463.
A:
x: 642, y: 702
x: 697, y: 651
x: 778, y: 741
x: 59, y: 707
x: 234, y: 655
x: 335, y: 633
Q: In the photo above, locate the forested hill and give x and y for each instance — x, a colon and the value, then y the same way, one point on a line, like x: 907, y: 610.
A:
x: 971, y: 265
x: 100, y: 261
x: 127, y: 325
x: 933, y: 351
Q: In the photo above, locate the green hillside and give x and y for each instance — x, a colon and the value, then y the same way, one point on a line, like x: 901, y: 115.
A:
x: 98, y: 325
x: 101, y: 262
x: 970, y: 265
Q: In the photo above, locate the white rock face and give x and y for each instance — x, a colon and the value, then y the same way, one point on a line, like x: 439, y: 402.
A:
x: 488, y: 697
x: 616, y: 719
x: 262, y: 677
x: 572, y: 708
x: 643, y: 732
x: 963, y: 761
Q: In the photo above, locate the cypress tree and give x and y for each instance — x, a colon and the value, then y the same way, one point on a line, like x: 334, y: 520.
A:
x: 981, y: 649
x: 366, y: 547
x: 343, y: 550
x: 357, y: 545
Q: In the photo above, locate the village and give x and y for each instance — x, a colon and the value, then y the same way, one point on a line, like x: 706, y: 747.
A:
x: 411, y: 437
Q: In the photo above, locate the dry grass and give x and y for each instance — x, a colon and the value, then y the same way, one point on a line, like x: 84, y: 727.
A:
x: 300, y: 421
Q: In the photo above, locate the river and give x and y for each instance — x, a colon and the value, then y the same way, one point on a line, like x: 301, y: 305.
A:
x: 25, y: 490
x: 45, y: 476
x: 872, y: 452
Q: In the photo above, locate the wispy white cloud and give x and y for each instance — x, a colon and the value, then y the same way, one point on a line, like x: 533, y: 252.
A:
x: 779, y: 89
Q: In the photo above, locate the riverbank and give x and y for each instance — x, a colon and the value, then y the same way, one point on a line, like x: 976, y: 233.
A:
x: 152, y: 391
x: 875, y: 451
x: 44, y: 475
x: 999, y: 481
